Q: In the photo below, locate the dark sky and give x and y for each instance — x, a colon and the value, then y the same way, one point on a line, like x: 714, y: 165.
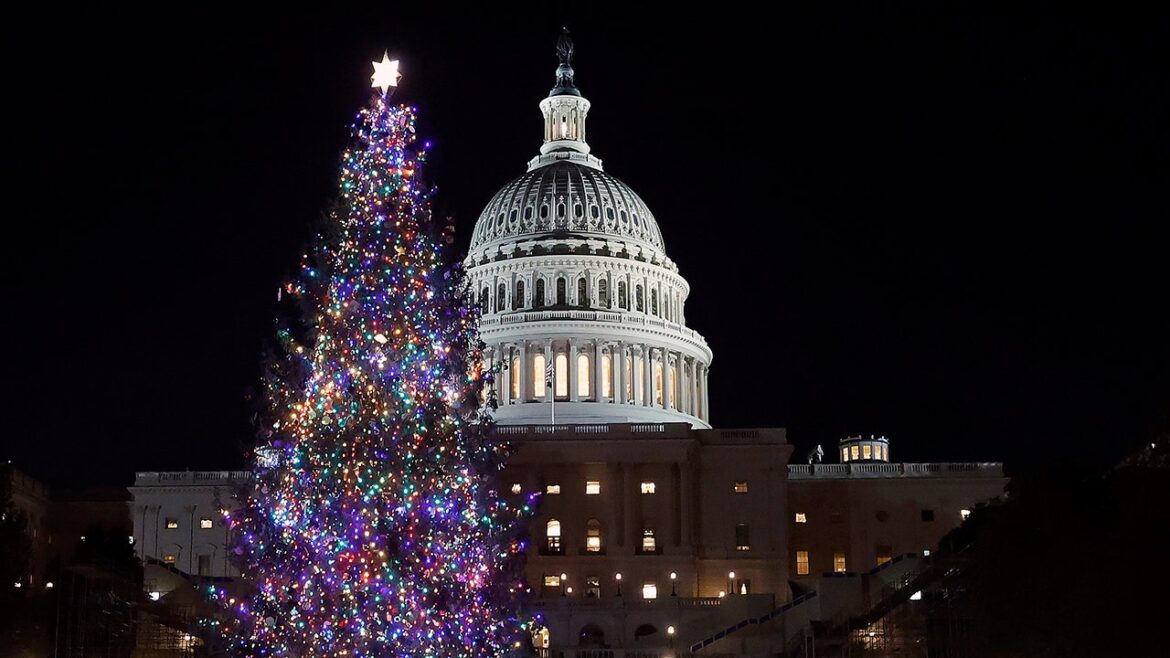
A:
x: 947, y: 225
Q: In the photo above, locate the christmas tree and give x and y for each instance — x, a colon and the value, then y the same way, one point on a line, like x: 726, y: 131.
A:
x: 374, y: 528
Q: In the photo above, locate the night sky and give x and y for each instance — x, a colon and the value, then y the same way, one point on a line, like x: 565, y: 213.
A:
x: 945, y: 225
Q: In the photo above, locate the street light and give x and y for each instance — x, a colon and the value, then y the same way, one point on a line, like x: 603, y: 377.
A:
x: 670, y: 634
x: 673, y: 582
x: 731, y: 582
x: 618, y: 577
x: 564, y: 577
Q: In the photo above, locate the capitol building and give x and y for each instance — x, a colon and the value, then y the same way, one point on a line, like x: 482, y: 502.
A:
x: 657, y: 534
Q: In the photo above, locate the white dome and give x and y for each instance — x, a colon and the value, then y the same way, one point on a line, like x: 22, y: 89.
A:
x: 566, y: 199
x: 569, y: 267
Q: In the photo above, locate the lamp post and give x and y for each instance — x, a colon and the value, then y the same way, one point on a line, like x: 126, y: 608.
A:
x: 618, y: 577
x: 670, y: 630
x: 673, y: 583
x: 564, y: 577
x: 731, y: 582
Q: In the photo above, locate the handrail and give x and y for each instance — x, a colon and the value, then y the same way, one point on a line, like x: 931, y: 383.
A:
x: 753, y: 621
x: 902, y: 470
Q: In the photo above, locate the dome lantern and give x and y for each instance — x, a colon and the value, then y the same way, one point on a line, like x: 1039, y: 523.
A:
x: 564, y: 114
x: 865, y: 450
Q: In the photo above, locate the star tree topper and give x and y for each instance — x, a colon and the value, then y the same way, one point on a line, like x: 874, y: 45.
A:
x: 385, y: 73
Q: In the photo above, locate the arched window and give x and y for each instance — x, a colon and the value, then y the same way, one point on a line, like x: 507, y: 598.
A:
x: 658, y: 383
x: 654, y: 301
x: 552, y: 534
x: 582, y: 292
x: 518, y: 298
x: 638, y: 298
x: 562, y: 374
x: 623, y: 302
x: 593, y: 536
x: 607, y: 375
x: 583, y: 376
x: 484, y: 298
x: 528, y: 212
x: 515, y: 378
x: 562, y: 292
x: 666, y: 310
x: 560, y: 210
x: 538, y: 302
x: 645, y: 630
x: 603, y: 293
x: 501, y: 298
x: 538, y: 376
x: 544, y: 211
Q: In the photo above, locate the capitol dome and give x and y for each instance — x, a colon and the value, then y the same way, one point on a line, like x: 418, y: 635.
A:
x: 581, y: 304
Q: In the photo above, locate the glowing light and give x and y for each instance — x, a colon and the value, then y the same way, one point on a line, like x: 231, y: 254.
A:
x: 385, y: 73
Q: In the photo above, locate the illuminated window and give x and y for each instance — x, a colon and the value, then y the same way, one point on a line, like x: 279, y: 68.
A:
x: 673, y: 383
x: 802, y: 563
x: 648, y: 487
x: 629, y: 379
x: 515, y: 383
x: 592, y: 488
x: 867, y: 451
x: 844, y: 454
x: 650, y: 590
x: 801, y: 517
x: 552, y: 489
x: 172, y: 524
x: 562, y: 374
x: 593, y: 587
x: 205, y: 523
x: 538, y: 380
x: 639, y: 377
x: 882, y: 553
x: 552, y: 581
x: 741, y: 486
x: 743, y: 540
x: 593, y: 536
x: 839, y: 562
x: 853, y: 451
x: 552, y: 533
x: 607, y: 375
x: 926, y: 552
x: 658, y: 383
x: 516, y: 488
x: 964, y: 514
x: 928, y: 515
x: 170, y: 558
x: 582, y: 376
x: 649, y: 543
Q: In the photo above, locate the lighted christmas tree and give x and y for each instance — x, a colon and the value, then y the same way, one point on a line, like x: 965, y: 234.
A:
x: 374, y: 528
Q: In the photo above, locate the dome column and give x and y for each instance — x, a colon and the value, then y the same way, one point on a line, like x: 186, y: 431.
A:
x: 525, y: 384
x: 668, y: 398
x: 573, y: 374
x: 503, y: 385
x: 704, y: 409
x: 619, y: 364
x: 693, y: 388
x: 647, y: 378
x: 598, y: 387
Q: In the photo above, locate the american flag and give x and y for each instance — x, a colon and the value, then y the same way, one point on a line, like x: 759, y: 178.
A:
x: 548, y: 374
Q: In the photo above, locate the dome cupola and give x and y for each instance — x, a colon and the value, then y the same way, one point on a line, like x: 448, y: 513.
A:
x: 571, y: 271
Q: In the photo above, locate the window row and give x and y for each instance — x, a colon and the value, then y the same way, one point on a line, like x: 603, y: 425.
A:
x: 558, y: 584
x: 553, y: 539
x: 927, y: 516
x: 644, y: 299
x: 592, y: 488
x: 866, y: 451
x: 205, y: 523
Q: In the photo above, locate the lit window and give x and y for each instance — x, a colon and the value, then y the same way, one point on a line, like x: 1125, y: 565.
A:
x: 839, y: 562
x: 172, y: 524
x: 964, y: 514
x: 648, y: 487
x: 649, y: 590
x: 926, y: 552
x: 593, y: 536
x: 802, y: 563
x: 552, y: 581
x: 562, y: 374
x: 606, y: 375
x: 170, y: 558
x: 592, y: 488
x: 205, y: 523
x: 516, y: 488
x: 867, y: 451
x: 582, y: 376
x: 882, y: 553
x: 538, y: 379
x: 552, y: 532
x: 916, y: 596
x: 515, y: 378
x: 553, y: 489
x: 742, y: 537
x: 593, y: 586
x: 741, y: 486
x: 844, y: 454
x: 853, y: 451
x: 658, y: 383
x: 801, y: 517
x: 649, y: 543
x: 154, y: 596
